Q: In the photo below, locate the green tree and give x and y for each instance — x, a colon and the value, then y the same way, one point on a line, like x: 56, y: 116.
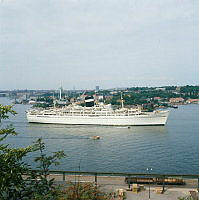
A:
x: 41, y: 186
x: 13, y: 184
x: 12, y: 167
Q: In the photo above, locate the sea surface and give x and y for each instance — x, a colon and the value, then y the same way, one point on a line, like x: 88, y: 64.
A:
x: 173, y: 148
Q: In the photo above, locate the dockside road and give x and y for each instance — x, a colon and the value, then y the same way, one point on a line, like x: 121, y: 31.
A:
x: 111, y: 184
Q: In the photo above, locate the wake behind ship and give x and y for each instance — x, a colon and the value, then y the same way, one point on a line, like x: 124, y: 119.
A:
x: 99, y: 114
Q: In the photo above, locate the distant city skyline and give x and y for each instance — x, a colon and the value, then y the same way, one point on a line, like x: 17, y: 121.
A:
x: 82, y: 44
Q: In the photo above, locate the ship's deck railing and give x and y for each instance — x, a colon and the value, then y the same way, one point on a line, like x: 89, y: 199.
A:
x: 87, y: 114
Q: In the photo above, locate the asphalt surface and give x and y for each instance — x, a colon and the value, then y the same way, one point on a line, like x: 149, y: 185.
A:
x: 111, y: 184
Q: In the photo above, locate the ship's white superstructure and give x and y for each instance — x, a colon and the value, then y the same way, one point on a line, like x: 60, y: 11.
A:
x: 97, y: 115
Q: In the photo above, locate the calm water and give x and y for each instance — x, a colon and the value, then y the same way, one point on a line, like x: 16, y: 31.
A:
x: 170, y: 149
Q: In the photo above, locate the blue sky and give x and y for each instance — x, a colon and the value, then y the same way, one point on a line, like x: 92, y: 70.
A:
x: 110, y: 43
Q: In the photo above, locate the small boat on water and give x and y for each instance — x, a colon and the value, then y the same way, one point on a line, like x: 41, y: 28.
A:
x: 124, y: 127
x: 96, y: 137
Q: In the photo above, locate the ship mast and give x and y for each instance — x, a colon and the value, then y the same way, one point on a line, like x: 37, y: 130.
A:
x: 60, y: 93
x: 122, y: 101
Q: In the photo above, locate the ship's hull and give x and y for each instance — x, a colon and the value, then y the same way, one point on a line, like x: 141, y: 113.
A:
x: 137, y: 120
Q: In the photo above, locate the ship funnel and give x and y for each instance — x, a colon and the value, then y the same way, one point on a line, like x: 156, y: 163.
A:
x: 89, y: 100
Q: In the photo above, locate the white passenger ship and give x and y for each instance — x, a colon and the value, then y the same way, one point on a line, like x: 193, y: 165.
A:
x: 97, y: 115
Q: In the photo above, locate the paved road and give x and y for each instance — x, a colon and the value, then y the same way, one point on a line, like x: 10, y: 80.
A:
x: 111, y: 184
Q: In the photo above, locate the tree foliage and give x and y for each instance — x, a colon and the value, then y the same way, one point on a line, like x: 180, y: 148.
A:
x: 84, y: 191
x: 13, y: 185
x: 41, y: 185
x: 12, y: 166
